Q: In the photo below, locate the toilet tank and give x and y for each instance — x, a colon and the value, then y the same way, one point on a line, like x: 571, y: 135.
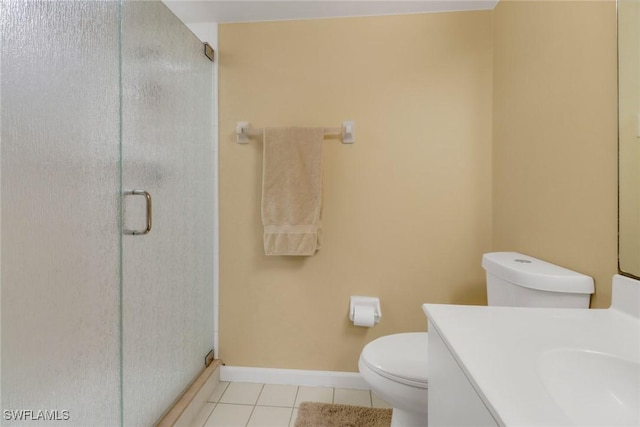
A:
x: 518, y: 280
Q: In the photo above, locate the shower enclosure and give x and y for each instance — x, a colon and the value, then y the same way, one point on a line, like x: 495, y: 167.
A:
x: 102, y: 323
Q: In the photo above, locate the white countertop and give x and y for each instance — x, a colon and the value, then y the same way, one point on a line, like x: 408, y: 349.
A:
x: 498, y: 348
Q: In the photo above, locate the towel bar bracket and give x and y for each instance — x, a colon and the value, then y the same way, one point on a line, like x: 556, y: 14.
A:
x: 242, y: 134
x: 348, y: 132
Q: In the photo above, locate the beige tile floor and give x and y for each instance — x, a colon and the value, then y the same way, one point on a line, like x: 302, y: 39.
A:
x: 234, y: 404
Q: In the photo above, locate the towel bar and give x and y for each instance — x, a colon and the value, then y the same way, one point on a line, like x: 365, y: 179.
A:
x: 347, y: 132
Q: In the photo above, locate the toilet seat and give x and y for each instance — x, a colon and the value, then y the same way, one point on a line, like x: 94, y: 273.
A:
x: 399, y: 357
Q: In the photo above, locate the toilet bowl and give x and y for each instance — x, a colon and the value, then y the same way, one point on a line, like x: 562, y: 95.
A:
x: 395, y: 367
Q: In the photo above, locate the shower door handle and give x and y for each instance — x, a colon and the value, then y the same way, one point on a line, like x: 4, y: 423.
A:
x: 147, y: 196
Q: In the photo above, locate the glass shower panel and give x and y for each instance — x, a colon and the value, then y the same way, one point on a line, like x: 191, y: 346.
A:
x: 167, y: 151
x: 60, y: 209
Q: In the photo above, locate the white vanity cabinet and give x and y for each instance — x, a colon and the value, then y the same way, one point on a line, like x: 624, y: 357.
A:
x: 452, y: 399
x: 520, y: 366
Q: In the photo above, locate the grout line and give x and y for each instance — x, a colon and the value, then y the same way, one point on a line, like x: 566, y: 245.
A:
x: 236, y: 404
x: 295, y: 399
x: 291, y: 415
x: 254, y: 406
x: 215, y: 405
x: 250, y: 415
x: 221, y: 394
x: 371, y: 398
x: 259, y: 394
x: 275, y: 406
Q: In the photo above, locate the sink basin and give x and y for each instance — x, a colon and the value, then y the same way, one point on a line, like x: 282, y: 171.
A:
x: 593, y: 388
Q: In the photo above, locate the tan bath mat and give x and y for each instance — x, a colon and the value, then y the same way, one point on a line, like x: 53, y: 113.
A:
x: 313, y: 414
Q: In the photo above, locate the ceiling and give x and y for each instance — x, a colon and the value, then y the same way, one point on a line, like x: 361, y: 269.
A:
x: 194, y: 11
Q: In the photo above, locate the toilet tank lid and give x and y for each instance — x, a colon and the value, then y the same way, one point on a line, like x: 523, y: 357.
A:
x: 529, y: 272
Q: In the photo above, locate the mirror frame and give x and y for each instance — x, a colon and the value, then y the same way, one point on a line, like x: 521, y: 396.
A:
x: 623, y: 122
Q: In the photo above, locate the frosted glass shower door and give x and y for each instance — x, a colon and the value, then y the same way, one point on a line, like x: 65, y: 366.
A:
x: 167, y: 151
x: 60, y: 213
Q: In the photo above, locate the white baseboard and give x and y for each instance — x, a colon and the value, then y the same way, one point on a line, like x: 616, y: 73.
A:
x: 293, y: 377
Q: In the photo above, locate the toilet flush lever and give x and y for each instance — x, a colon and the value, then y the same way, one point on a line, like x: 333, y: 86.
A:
x: 147, y: 196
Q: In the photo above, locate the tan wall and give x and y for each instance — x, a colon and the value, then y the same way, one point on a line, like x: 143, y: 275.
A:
x: 407, y: 208
x: 554, y: 135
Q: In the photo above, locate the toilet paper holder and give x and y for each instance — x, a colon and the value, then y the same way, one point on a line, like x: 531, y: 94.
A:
x: 361, y: 301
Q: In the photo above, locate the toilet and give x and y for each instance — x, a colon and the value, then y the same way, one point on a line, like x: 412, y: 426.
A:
x: 395, y: 366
